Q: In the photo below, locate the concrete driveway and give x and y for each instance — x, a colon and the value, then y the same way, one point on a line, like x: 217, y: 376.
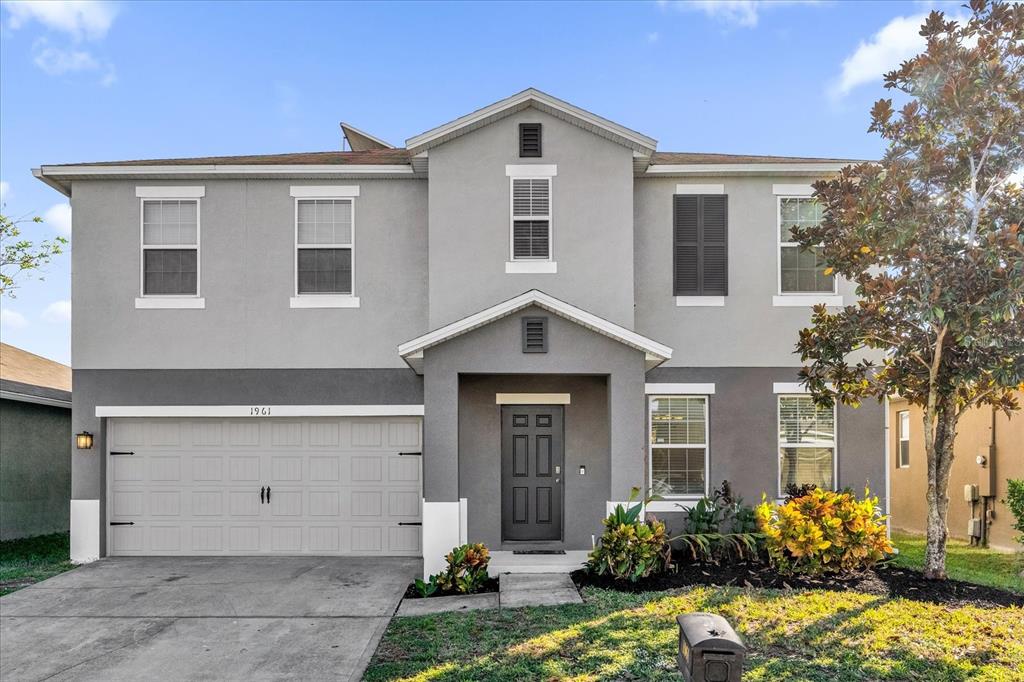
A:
x: 203, y: 618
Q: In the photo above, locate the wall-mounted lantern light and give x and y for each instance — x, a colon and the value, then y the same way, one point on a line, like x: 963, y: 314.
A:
x: 83, y: 440
x: 583, y: 470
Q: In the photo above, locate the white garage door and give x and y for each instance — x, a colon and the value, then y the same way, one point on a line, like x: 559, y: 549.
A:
x: 264, y: 486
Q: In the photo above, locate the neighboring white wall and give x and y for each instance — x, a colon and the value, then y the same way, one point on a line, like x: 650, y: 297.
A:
x: 747, y: 330
x: 85, y: 531
x: 442, y: 531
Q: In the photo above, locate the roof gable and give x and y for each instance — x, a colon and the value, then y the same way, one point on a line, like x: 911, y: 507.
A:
x: 532, y: 97
x: 654, y: 352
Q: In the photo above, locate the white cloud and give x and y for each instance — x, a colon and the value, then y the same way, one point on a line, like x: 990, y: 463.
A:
x: 653, y: 37
x: 58, y: 311
x: 744, y: 13
x: 10, y: 319
x: 57, y: 61
x: 898, y: 40
x: 5, y: 189
x: 58, y: 216
x: 80, y: 19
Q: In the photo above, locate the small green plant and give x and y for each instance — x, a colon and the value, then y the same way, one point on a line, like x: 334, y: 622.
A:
x: 426, y: 588
x: 631, y: 548
x: 720, y: 526
x: 467, y: 569
x: 1015, y: 501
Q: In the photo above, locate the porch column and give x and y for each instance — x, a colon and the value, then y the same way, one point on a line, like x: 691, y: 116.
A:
x: 441, y: 507
x: 627, y: 417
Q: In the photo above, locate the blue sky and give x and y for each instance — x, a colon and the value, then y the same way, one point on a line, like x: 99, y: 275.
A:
x: 95, y: 81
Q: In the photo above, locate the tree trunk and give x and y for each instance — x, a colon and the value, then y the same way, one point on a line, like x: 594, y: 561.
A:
x: 939, y: 450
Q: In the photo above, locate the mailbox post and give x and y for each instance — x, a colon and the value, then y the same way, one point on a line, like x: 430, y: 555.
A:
x: 709, y: 649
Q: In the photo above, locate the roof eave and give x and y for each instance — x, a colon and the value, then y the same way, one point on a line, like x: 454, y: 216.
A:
x: 779, y: 168
x: 52, y: 182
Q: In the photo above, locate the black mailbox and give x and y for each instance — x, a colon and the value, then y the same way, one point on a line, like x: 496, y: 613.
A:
x: 709, y: 649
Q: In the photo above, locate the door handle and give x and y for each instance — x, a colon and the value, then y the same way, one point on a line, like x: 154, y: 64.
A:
x: 261, y: 494
x: 268, y: 494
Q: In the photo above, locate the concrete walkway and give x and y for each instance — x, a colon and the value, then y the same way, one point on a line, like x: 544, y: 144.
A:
x: 537, y: 589
x: 184, y: 618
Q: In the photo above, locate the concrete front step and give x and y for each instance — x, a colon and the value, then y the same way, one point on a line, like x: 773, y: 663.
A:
x: 515, y: 590
x: 509, y: 562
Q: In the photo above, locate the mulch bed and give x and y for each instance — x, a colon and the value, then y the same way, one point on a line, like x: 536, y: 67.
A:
x: 490, y: 586
x: 884, y: 581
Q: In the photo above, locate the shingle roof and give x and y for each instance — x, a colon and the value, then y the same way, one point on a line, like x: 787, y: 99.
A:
x: 28, y: 368
x: 700, y: 157
x: 369, y: 157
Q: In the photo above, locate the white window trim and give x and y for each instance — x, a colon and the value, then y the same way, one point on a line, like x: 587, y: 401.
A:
x: 325, y: 300
x: 670, y: 389
x: 834, y: 444
x: 700, y: 189
x: 170, y: 301
x: 512, y: 219
x: 796, y: 298
x: 900, y: 439
x: 700, y: 301
x: 531, y: 170
x: 532, y: 267
x: 669, y: 500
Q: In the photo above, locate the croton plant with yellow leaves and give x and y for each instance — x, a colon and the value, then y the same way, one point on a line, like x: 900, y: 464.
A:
x: 824, y: 532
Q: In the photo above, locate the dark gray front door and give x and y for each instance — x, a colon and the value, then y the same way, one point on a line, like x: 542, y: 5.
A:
x: 532, y: 449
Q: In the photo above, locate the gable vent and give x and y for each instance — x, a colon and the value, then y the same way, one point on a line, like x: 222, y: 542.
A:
x: 535, y: 335
x: 529, y: 140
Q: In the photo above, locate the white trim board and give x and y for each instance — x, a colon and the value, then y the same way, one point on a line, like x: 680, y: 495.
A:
x: 256, y: 411
x: 796, y: 168
x: 793, y: 190
x: 795, y: 387
x: 323, y: 301
x: 700, y: 189
x: 679, y: 389
x: 37, y: 399
x: 700, y: 301
x: 324, y: 191
x: 412, y: 351
x: 531, y: 170
x: 532, y: 399
x: 170, y: 192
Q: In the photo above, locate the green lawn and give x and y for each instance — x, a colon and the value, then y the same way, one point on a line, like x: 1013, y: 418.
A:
x: 963, y: 562
x: 799, y: 635
x: 29, y: 560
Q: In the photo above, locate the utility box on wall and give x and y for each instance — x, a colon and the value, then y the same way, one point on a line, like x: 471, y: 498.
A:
x: 986, y: 471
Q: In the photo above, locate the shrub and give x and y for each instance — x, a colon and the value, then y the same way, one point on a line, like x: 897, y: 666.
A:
x: 719, y: 526
x: 466, y: 572
x: 630, y: 548
x: 1015, y: 501
x: 824, y: 532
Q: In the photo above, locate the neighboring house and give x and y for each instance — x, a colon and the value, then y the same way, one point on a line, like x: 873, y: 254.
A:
x: 561, y: 311
x: 35, y: 444
x: 989, y: 449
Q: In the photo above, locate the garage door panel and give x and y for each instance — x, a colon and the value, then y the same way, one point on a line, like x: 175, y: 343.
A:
x: 338, y: 486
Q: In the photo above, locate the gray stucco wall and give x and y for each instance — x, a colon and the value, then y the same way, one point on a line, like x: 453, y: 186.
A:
x: 247, y: 256
x: 586, y: 443
x: 592, y: 205
x: 497, y: 349
x: 743, y: 431
x: 35, y: 469
x: 748, y: 330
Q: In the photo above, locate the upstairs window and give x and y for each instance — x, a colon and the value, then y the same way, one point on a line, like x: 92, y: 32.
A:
x: 801, y: 271
x: 170, y: 247
x: 807, y: 443
x: 531, y: 219
x: 324, y: 240
x: 529, y: 140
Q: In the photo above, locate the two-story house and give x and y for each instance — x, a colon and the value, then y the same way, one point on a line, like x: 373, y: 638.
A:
x: 489, y: 335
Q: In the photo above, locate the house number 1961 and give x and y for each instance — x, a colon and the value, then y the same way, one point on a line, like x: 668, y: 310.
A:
x: 257, y: 411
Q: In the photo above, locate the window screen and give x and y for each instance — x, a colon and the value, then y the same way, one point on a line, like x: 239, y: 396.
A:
x: 802, y: 270
x: 806, y: 442
x: 678, y: 428
x: 324, y: 241
x: 170, y: 247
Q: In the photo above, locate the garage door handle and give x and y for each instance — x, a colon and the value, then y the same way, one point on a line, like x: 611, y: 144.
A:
x: 262, y: 490
x: 122, y: 523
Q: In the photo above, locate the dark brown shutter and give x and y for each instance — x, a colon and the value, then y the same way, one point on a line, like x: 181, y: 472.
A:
x: 700, y: 230
x: 529, y: 140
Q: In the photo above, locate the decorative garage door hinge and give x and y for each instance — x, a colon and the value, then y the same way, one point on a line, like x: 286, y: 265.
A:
x: 410, y: 454
x: 115, y: 452
x: 410, y: 523
x: 122, y: 523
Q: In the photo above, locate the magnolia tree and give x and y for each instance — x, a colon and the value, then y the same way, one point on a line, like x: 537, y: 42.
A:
x: 931, y: 236
x: 19, y: 256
